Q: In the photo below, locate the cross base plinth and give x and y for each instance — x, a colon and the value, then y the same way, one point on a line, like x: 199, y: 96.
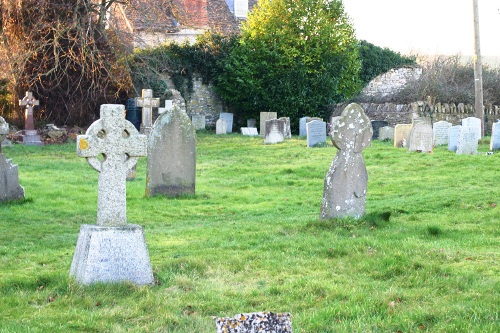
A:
x: 31, y: 138
x: 111, y: 255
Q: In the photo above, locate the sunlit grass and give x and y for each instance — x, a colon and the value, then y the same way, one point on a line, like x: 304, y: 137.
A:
x: 424, y: 258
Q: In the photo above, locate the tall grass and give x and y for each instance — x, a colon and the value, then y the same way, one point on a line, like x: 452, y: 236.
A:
x: 424, y: 258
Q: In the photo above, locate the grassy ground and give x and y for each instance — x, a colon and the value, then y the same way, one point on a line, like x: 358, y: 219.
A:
x: 424, y: 259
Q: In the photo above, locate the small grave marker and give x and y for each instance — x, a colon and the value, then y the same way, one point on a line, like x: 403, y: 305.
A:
x: 30, y: 135
x: 199, y: 121
x: 10, y: 189
x: 249, y: 131
x: 386, y: 133
x: 453, y: 137
x: 112, y: 250
x: 495, y: 136
x: 316, y: 133
x: 147, y: 103
x: 221, y: 126
x: 258, y: 322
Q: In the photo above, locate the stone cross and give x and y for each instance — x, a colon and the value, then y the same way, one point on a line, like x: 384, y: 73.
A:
x: 147, y: 103
x: 112, y: 146
x: 29, y: 102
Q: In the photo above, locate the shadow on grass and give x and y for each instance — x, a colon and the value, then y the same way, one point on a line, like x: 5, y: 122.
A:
x: 375, y: 219
x: 20, y: 202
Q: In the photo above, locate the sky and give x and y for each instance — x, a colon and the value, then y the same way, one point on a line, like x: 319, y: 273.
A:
x: 427, y: 26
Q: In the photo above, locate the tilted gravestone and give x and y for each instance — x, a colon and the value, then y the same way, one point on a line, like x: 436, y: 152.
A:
x: 249, y: 131
x: 221, y: 126
x: 453, y: 137
x: 10, y: 189
x: 228, y: 117
x: 265, y: 116
x: 401, y: 132
x: 257, y: 322
x: 346, y: 182
x: 147, y: 103
x: 30, y: 135
x: 421, y: 138
x: 171, y: 166
x: 199, y: 121
x: 495, y: 136
x: 386, y: 133
x: 316, y: 133
x: 467, y: 142
x: 441, y: 130
x: 475, y: 123
x: 111, y: 251
x: 274, y: 130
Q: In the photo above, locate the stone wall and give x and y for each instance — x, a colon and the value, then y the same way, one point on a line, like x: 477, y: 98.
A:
x: 404, y: 113
x: 391, y: 81
x: 205, y: 101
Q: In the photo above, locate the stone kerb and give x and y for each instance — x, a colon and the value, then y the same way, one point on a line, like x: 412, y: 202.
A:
x: 111, y: 251
x: 255, y: 322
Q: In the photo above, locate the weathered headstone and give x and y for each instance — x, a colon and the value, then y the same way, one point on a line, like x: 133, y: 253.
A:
x: 453, y: 137
x: 386, y: 133
x: 147, y: 103
x: 198, y: 121
x: 221, y: 126
x: 467, y: 142
x: 316, y: 133
x: 10, y: 189
x: 30, y: 134
x: 401, y: 132
x: 441, y: 130
x: 111, y: 251
x: 274, y: 130
x: 265, y: 116
x: 228, y: 117
x: 475, y: 123
x: 287, y: 130
x: 421, y: 138
x: 376, y: 125
x: 249, y: 131
x: 302, y: 124
x: 252, y: 123
x: 495, y: 136
x: 171, y: 167
x: 257, y: 322
x: 346, y: 182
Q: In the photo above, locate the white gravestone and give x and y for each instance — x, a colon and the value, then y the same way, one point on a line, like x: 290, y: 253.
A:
x: 10, y: 189
x: 111, y: 251
x: 316, y: 133
x: 302, y: 124
x: 386, y: 133
x: 453, y: 137
x: 147, y: 103
x: 421, y: 137
x: 475, y: 123
x: 467, y: 142
x: 249, y: 131
x: 221, y: 126
x: 168, y: 106
x: 228, y: 117
x: 265, y: 116
x: 440, y: 130
x: 495, y: 136
x: 274, y: 130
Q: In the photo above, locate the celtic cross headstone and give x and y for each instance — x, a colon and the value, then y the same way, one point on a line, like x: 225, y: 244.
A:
x: 30, y: 135
x: 112, y: 250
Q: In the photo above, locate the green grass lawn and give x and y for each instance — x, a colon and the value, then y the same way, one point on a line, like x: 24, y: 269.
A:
x: 425, y: 258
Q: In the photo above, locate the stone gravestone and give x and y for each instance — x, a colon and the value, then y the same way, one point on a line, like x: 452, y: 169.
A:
x: 30, y: 135
x: 316, y: 133
x: 147, y: 103
x: 265, y: 116
x: 453, y: 137
x: 421, y: 138
x: 171, y: 167
x: 475, y: 123
x: 287, y: 130
x: 467, y: 141
x: 440, y: 130
x: 401, y: 132
x: 274, y: 130
x: 376, y: 125
x: 346, y: 182
x: 252, y: 123
x: 221, y: 126
x: 302, y: 124
x: 111, y: 251
x: 257, y: 322
x: 198, y: 121
x: 495, y: 136
x: 249, y: 131
x: 228, y: 117
x: 168, y: 106
x: 386, y: 133
x: 10, y: 189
